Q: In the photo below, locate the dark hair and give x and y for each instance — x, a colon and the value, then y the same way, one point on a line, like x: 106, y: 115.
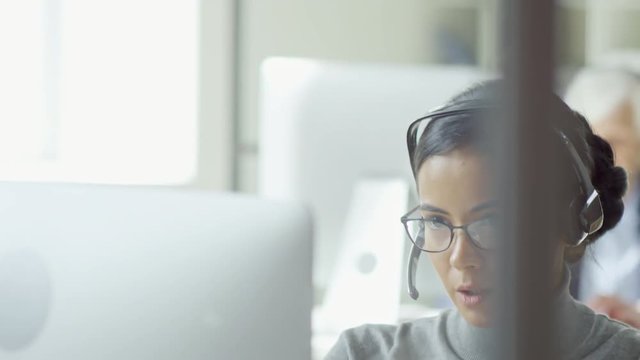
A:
x: 446, y: 134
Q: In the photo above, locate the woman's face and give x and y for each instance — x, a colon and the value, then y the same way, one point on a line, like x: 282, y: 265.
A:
x: 455, y: 188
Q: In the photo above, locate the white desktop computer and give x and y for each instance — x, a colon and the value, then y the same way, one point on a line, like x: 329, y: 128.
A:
x: 95, y: 272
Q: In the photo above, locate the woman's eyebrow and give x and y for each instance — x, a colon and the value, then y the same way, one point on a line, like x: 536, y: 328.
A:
x: 483, y: 206
x: 431, y: 208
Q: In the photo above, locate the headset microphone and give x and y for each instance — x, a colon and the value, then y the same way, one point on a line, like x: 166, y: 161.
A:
x: 411, y: 274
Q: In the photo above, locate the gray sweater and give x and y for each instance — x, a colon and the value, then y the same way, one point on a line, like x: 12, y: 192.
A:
x: 583, y: 335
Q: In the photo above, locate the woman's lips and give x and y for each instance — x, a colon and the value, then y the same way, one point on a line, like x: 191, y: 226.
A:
x: 470, y: 296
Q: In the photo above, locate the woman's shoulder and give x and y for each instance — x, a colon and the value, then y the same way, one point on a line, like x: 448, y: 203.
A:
x: 610, y: 339
x: 615, y: 340
x: 378, y: 341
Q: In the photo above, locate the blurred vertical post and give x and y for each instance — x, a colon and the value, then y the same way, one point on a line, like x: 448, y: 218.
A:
x: 526, y: 181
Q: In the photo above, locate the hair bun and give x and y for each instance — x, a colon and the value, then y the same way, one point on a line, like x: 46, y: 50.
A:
x: 609, y: 180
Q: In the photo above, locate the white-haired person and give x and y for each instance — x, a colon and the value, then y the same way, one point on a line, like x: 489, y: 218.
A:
x: 608, y: 277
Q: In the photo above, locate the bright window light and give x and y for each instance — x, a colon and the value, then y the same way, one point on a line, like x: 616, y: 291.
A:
x: 101, y: 91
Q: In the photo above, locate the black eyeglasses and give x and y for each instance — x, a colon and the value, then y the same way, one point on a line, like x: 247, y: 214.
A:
x: 435, y: 235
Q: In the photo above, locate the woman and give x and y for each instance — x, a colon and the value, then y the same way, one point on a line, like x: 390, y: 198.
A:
x: 454, y: 225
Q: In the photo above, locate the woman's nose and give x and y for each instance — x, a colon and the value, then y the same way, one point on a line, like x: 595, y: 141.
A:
x: 464, y: 255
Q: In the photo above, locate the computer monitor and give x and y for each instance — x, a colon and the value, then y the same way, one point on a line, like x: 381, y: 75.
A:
x: 95, y: 272
x: 328, y: 126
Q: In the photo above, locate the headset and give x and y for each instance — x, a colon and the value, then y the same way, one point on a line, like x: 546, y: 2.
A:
x: 587, y: 203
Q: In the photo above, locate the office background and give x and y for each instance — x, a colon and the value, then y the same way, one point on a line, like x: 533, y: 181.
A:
x: 147, y: 92
x: 209, y: 52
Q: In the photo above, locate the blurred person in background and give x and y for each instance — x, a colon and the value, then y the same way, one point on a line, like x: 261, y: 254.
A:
x: 608, y: 277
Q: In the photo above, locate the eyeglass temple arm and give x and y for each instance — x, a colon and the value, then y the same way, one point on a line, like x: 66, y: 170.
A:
x: 414, y: 256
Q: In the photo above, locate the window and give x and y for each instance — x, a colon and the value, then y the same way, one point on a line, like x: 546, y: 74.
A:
x: 99, y: 91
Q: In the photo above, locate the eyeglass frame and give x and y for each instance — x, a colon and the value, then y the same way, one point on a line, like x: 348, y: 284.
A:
x: 405, y: 218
